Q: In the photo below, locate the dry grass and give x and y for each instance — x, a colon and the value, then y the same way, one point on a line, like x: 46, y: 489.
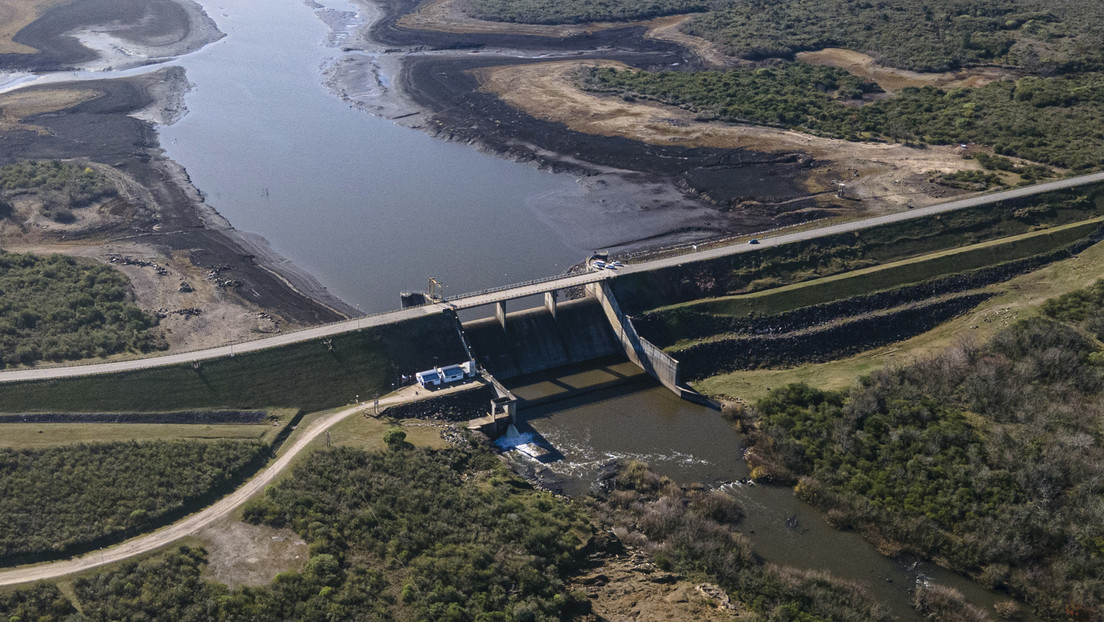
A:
x: 1016, y: 299
x: 14, y: 15
x: 18, y: 105
x: 40, y: 435
x: 243, y: 554
x: 367, y: 433
x: 888, y: 175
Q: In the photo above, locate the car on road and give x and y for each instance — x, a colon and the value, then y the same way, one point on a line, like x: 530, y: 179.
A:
x: 753, y: 241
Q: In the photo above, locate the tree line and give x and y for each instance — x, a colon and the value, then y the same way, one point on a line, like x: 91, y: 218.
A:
x: 1040, y: 36
x: 986, y: 455
x: 579, y: 11
x: 60, y: 500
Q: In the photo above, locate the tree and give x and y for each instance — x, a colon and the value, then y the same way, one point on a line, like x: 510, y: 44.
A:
x: 396, y: 439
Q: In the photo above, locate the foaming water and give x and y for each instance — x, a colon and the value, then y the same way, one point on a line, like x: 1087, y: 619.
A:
x: 596, y: 416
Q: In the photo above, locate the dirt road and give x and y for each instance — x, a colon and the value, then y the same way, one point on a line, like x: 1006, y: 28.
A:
x: 213, y: 513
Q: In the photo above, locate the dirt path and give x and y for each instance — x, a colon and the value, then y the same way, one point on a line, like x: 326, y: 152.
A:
x: 892, y: 80
x: 668, y: 29
x: 206, y: 517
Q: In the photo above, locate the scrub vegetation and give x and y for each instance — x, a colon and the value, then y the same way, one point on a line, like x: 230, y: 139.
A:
x: 985, y: 455
x: 56, y: 308
x: 60, y: 186
x: 694, y: 532
x: 62, y: 500
x: 763, y: 270
x: 929, y: 35
x: 1038, y: 119
x: 1039, y: 36
x: 402, y: 533
x: 408, y: 533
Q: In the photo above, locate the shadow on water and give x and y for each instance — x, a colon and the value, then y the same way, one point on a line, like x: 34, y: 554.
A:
x: 598, y: 413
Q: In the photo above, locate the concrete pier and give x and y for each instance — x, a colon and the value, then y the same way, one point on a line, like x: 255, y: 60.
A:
x: 550, y: 303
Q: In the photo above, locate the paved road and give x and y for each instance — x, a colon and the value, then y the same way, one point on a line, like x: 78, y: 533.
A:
x: 858, y: 225
x: 533, y: 288
x: 213, y: 513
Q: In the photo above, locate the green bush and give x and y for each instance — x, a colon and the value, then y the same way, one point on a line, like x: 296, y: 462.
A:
x: 59, y: 500
x: 63, y: 185
x: 57, y: 308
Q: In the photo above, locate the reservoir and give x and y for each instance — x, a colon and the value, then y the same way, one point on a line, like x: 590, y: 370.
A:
x: 368, y: 207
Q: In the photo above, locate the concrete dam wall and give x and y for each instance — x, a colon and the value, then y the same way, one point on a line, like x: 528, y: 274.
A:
x: 535, y: 340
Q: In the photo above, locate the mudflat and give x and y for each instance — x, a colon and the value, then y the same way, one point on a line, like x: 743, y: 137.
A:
x: 52, y: 35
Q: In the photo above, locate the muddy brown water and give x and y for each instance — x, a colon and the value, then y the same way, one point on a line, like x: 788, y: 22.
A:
x: 597, y: 413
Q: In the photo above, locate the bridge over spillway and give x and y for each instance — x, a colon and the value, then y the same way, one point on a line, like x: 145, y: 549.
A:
x: 596, y: 284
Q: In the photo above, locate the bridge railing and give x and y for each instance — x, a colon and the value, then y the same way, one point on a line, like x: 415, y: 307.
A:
x: 502, y: 288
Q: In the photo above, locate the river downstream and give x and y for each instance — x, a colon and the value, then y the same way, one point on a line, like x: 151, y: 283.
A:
x: 598, y: 413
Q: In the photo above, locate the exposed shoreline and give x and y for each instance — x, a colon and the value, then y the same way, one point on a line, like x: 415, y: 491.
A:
x: 640, y: 196
x: 111, y: 121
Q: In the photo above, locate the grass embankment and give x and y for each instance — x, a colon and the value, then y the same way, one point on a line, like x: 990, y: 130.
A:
x: 1015, y: 299
x: 41, y: 435
x: 312, y: 375
x: 367, y: 433
x: 793, y: 263
x: 891, y: 275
